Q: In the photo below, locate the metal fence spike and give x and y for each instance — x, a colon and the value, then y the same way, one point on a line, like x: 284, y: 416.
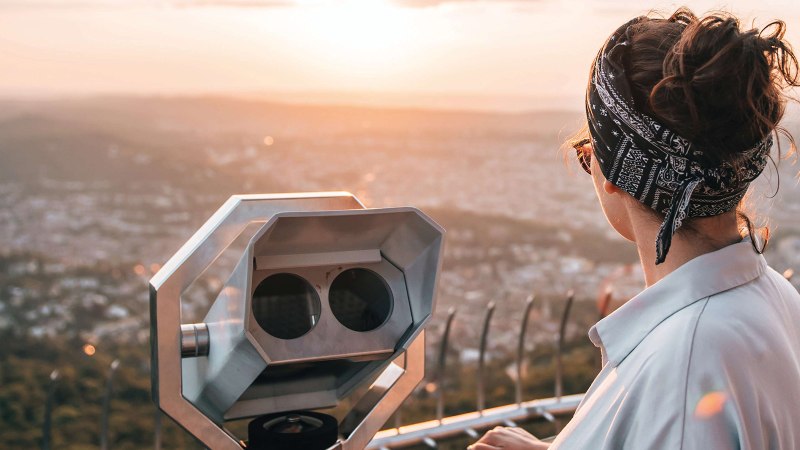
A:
x: 49, y: 404
x: 442, y: 364
x: 521, y: 349
x: 107, y: 405
x: 562, y: 330
x: 482, y: 356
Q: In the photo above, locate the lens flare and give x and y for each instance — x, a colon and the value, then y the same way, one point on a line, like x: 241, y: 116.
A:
x: 710, y: 405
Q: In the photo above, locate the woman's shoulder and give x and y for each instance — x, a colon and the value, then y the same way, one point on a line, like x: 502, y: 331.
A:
x: 767, y: 301
x: 761, y: 316
x: 743, y: 377
x: 744, y: 325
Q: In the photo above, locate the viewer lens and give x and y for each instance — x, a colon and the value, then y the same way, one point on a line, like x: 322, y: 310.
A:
x: 286, y: 306
x: 360, y: 299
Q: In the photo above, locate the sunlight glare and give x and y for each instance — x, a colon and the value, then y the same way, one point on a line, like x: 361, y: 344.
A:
x: 710, y: 405
x: 360, y: 37
x: 89, y: 350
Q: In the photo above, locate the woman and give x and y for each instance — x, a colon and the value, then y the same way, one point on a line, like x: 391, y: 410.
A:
x: 681, y: 114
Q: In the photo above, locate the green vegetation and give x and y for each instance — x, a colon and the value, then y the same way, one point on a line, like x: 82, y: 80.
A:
x: 26, y: 364
x: 25, y: 367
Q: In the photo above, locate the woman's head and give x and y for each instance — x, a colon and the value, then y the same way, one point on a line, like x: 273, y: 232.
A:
x: 681, y: 111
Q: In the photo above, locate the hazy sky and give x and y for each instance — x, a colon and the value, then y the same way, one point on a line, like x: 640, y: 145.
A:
x: 517, y: 52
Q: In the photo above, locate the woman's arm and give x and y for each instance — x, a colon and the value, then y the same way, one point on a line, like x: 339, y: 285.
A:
x: 508, y: 438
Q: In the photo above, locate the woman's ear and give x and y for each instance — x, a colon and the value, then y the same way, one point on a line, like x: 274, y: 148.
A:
x: 610, y: 187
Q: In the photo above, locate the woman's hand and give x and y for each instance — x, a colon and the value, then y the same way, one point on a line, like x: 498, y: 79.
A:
x: 508, y: 438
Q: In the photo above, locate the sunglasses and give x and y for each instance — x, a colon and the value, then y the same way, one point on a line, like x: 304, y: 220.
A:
x: 583, y: 151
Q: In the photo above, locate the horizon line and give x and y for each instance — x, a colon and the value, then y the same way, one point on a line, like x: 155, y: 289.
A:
x: 430, y: 101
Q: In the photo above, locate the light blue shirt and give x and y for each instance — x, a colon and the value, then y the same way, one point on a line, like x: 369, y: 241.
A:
x: 706, y: 358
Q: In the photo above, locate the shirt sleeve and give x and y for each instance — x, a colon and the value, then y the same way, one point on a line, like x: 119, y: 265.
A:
x: 728, y: 395
x: 711, y: 422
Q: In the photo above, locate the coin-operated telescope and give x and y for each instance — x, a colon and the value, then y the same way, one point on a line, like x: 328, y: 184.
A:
x: 317, y: 336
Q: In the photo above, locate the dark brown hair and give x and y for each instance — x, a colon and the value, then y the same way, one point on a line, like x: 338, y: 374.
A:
x: 718, y: 86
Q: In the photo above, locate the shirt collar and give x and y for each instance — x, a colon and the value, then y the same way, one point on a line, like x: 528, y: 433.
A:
x: 619, y: 333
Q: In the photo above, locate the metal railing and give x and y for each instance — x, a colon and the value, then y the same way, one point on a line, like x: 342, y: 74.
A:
x: 431, y: 432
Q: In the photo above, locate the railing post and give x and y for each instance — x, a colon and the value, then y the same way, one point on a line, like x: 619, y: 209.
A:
x: 107, y: 405
x: 482, y: 356
x: 560, y: 345
x: 47, y: 425
x: 441, y: 364
x: 521, y: 348
x: 559, y: 385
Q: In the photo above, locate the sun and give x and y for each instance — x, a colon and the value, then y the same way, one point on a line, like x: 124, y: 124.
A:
x: 360, y: 37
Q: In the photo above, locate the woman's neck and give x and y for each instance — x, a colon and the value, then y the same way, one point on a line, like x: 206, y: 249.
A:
x: 707, y: 234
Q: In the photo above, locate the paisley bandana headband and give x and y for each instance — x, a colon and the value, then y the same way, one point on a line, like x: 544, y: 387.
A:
x: 652, y: 163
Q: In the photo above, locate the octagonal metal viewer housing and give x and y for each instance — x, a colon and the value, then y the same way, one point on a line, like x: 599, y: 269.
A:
x: 324, y: 310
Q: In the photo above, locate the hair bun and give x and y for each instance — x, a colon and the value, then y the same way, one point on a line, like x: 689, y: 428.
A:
x: 718, y: 86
